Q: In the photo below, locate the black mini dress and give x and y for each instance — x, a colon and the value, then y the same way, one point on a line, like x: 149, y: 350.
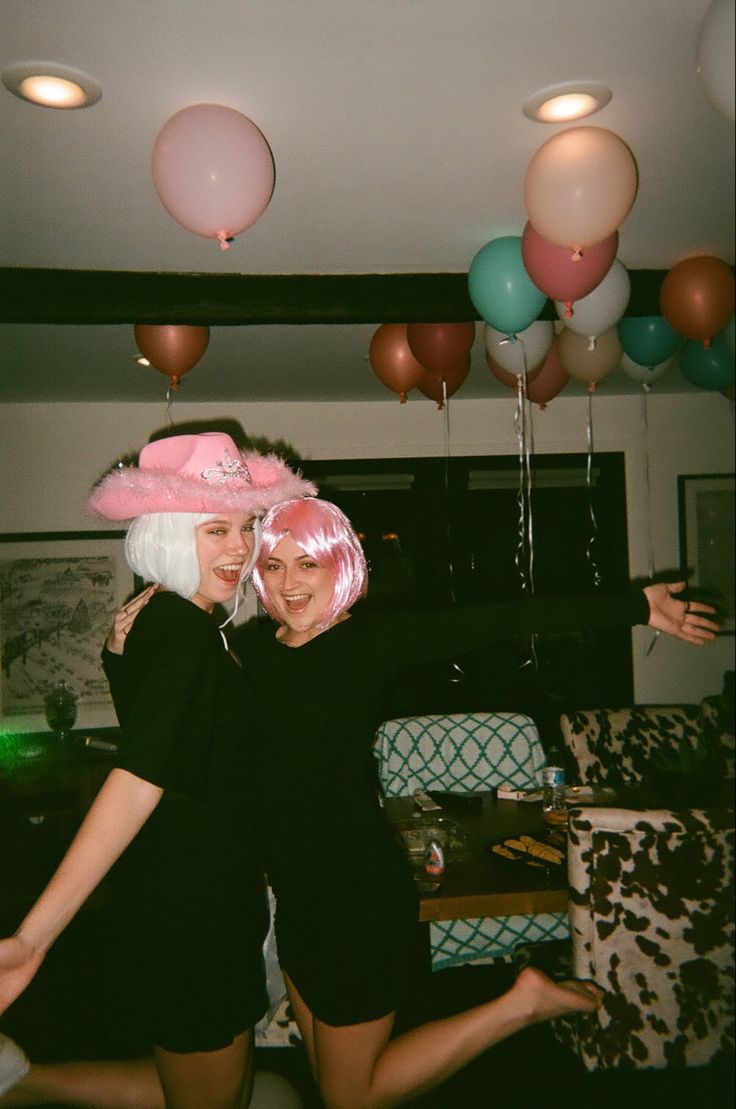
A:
x: 346, y: 915
x: 191, y: 909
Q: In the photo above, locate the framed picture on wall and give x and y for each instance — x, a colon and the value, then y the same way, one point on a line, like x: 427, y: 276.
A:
x: 706, y: 509
x: 58, y: 592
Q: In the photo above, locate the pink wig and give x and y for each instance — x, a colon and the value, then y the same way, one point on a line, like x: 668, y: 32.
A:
x: 327, y: 536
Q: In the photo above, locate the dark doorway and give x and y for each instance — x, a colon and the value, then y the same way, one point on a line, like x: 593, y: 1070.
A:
x: 439, y: 532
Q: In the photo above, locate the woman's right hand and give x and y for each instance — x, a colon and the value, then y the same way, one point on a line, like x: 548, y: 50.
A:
x: 125, y: 618
x: 18, y: 964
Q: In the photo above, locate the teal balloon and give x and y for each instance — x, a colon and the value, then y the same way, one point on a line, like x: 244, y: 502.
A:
x: 648, y: 340
x: 708, y: 369
x: 500, y: 288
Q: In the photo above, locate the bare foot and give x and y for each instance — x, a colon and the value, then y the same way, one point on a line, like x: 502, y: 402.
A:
x: 545, y: 999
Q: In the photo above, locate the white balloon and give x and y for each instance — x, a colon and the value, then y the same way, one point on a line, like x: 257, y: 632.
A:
x: 644, y: 375
x: 715, y: 56
x: 600, y: 310
x: 533, y: 343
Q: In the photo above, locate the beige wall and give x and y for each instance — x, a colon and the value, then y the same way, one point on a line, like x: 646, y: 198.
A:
x: 52, y: 453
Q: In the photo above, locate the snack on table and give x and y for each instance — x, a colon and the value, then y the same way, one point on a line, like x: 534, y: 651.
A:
x: 528, y: 849
x: 501, y: 850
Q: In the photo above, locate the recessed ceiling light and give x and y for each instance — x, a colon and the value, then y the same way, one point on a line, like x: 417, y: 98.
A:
x: 51, y: 85
x: 567, y: 101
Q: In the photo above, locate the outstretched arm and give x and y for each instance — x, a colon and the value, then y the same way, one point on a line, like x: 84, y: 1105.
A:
x: 679, y: 618
x: 119, y: 811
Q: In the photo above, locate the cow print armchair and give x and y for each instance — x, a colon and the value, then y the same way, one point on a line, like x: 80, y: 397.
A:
x: 652, y: 921
x: 614, y: 747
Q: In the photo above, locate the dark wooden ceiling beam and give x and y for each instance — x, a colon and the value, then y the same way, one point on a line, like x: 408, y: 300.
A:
x: 113, y: 297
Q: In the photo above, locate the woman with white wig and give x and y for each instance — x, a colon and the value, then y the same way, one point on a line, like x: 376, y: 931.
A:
x: 174, y: 812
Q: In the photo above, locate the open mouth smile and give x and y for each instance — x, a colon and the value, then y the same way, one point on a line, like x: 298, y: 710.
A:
x: 296, y: 602
x: 230, y: 572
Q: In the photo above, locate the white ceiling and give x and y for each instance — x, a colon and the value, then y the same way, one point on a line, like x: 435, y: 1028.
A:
x: 400, y: 147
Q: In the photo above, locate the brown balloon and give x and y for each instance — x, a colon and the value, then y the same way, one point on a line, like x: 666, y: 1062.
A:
x: 392, y: 360
x: 506, y: 378
x: 550, y: 380
x: 697, y: 297
x: 439, y: 386
x: 440, y: 346
x: 172, y: 349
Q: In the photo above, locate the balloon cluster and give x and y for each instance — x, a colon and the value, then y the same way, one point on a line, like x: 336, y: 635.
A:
x: 579, y: 187
x: 434, y: 357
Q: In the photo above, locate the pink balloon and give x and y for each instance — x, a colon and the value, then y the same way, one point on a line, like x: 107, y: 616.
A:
x: 560, y: 277
x: 584, y: 364
x: 440, y: 346
x: 580, y: 186
x: 213, y: 171
x: 551, y: 378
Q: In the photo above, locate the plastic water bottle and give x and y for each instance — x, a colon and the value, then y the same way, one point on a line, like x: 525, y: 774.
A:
x: 434, y: 859
x: 554, y: 809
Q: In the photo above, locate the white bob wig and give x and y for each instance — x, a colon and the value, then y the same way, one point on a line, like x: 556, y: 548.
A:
x: 324, y: 532
x: 162, y: 547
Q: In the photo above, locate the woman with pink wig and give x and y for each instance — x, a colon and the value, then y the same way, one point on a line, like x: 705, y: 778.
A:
x: 346, y: 918
x: 175, y: 812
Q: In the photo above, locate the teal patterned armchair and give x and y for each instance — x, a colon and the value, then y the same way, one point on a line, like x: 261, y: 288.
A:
x: 467, y: 753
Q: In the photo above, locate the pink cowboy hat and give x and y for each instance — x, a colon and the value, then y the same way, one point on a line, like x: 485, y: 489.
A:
x: 196, y: 473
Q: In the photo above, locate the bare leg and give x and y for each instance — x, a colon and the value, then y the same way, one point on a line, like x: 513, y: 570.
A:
x: 357, y: 1066
x: 220, y: 1079
x: 128, y: 1084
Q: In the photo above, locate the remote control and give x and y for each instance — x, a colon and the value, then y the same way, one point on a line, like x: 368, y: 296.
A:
x: 424, y: 802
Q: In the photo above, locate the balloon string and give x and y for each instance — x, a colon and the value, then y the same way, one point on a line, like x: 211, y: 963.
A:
x: 645, y: 473
x: 446, y: 429
x: 645, y: 389
x: 169, y: 405
x: 589, y: 482
x: 524, y: 556
x: 458, y: 674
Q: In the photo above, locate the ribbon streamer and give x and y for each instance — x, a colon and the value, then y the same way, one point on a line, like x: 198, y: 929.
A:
x: 458, y: 672
x: 589, y: 552
x: 524, y: 555
x: 645, y: 389
x: 169, y: 404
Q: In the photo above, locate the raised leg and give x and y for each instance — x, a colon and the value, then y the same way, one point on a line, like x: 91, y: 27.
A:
x: 358, y: 1066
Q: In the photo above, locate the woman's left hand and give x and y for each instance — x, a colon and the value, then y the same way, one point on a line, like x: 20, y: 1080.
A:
x: 679, y: 618
x: 18, y: 964
x: 125, y: 618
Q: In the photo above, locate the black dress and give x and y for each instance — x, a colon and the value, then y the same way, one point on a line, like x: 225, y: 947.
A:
x: 191, y: 899
x: 346, y: 906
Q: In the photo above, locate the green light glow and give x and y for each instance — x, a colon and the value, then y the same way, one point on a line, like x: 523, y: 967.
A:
x: 16, y: 748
